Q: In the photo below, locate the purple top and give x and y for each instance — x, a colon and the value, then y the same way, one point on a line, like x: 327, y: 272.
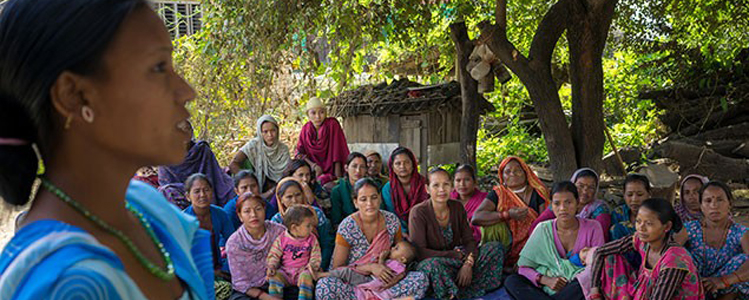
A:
x: 247, y: 256
x: 589, y: 234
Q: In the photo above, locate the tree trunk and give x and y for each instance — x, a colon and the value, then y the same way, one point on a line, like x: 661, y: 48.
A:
x: 702, y: 160
x: 587, y: 30
x: 469, y: 121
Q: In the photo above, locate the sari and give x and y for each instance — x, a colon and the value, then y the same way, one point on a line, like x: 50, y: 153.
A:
x: 267, y: 162
x: 342, y: 200
x: 221, y: 229
x: 712, y: 262
x: 324, y: 147
x: 351, y: 236
x: 514, y: 233
x: 200, y: 159
x: 681, y: 206
x: 394, y: 196
x: 49, y: 259
x: 470, y: 207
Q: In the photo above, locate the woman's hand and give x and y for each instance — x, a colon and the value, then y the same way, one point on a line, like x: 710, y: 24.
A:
x: 554, y: 283
x: 382, y: 273
x: 518, y: 213
x: 318, y: 170
x: 713, y: 284
x: 395, y: 281
x: 465, y: 275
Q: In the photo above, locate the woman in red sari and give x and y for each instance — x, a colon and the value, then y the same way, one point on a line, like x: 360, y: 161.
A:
x: 322, y: 143
x: 511, y: 207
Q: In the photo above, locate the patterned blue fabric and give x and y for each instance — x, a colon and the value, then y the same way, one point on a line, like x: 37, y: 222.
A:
x: 713, y: 262
x: 223, y: 228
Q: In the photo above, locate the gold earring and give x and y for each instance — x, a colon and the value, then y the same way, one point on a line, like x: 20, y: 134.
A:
x: 67, y: 122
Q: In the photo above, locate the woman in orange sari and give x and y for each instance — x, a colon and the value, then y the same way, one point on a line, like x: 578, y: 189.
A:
x: 508, y: 211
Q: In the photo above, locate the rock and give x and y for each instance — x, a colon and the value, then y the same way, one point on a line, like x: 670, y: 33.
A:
x: 629, y: 156
x: 662, y: 180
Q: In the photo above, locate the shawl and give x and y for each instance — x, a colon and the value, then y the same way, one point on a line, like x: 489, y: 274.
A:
x: 520, y: 229
x: 471, y: 206
x: 200, y: 159
x: 324, y: 147
x: 266, y: 161
x: 540, y: 253
x: 247, y: 255
x: 681, y: 207
x: 418, y: 193
x: 379, y: 244
x: 587, y: 211
x: 49, y: 259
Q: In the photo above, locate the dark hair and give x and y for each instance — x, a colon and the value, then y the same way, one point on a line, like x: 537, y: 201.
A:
x: 366, y: 181
x: 247, y: 197
x: 296, y: 214
x: 244, y: 174
x: 636, y: 178
x: 719, y: 184
x: 587, y: 173
x: 402, y: 150
x: 565, y: 186
x: 665, y: 212
x: 285, y: 186
x: 465, y: 168
x: 190, y: 181
x: 38, y: 41
x: 436, y: 170
x: 352, y: 156
x: 411, y: 248
x: 294, y: 165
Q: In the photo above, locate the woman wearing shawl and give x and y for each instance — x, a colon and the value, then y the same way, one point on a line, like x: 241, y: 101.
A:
x: 509, y: 210
x: 322, y: 143
x: 199, y: 159
x: 551, y: 261
x: 264, y: 154
x: 586, y: 181
x: 467, y: 192
x: 361, y: 238
x: 342, y: 196
x: 667, y: 270
x: 210, y: 217
x: 688, y: 207
x: 291, y: 191
x: 450, y: 256
x: 719, y: 246
x: 93, y: 90
x: 406, y: 187
x: 247, y: 249
x: 299, y: 169
x: 375, y: 169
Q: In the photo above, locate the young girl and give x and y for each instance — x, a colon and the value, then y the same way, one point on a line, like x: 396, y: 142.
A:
x: 369, y: 287
x: 294, y: 253
x: 322, y: 144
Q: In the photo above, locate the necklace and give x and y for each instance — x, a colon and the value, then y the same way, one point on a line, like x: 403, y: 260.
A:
x: 165, y: 275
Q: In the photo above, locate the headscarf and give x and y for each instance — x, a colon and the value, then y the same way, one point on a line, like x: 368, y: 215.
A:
x: 305, y: 190
x: 681, y: 207
x: 200, y: 159
x: 268, y: 161
x: 508, y: 199
x: 588, y: 210
x: 418, y: 192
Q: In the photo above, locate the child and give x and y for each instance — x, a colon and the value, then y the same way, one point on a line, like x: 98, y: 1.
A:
x: 294, y: 253
x: 369, y: 287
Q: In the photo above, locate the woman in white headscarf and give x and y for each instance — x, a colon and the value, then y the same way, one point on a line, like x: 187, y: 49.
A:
x: 264, y: 154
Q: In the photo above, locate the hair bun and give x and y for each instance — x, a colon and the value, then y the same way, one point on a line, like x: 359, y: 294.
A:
x: 18, y: 162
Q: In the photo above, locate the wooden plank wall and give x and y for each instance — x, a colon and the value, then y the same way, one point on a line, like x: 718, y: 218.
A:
x: 443, y: 127
x: 369, y: 129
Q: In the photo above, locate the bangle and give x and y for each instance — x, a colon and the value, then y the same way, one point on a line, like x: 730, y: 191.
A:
x: 723, y: 280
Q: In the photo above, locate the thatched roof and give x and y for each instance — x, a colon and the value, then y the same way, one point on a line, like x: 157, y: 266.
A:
x: 399, y: 97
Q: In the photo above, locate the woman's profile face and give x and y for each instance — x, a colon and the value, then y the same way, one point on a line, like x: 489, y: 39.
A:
x: 137, y: 97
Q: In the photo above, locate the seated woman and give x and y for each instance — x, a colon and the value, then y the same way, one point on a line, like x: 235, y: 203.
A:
x: 265, y: 155
x: 211, y: 217
x: 199, y: 159
x: 341, y: 198
x: 322, y: 143
x: 553, y: 257
x: 509, y: 210
x: 688, y: 207
x: 467, y: 192
x: 586, y: 181
x: 667, y: 270
x: 244, y: 181
x: 247, y: 249
x: 375, y: 169
x: 406, y: 187
x: 362, y: 237
x: 289, y: 192
x: 719, y: 246
x: 450, y: 256
x: 636, y: 190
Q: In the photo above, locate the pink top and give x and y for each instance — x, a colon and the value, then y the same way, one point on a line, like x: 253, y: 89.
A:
x: 604, y: 219
x: 471, y: 206
x: 589, y: 234
x: 293, y: 255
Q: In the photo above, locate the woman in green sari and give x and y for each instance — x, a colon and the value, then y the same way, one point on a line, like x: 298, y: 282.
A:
x: 342, y: 195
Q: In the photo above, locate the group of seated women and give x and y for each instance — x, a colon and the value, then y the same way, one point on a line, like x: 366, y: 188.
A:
x: 396, y: 234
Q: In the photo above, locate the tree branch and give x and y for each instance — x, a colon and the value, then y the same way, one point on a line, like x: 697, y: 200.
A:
x: 496, y: 38
x: 500, y: 14
x: 548, y: 33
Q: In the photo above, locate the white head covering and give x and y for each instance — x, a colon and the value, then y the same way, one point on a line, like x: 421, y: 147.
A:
x: 266, y: 161
x: 314, y: 102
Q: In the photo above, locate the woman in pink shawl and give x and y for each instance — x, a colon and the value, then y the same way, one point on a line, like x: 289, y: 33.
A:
x: 322, y: 143
x: 468, y: 193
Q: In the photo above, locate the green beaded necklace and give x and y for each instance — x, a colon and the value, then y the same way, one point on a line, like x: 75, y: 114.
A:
x: 165, y: 275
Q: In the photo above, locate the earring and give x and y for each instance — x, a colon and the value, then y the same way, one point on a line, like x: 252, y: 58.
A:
x: 87, y: 113
x: 67, y: 121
